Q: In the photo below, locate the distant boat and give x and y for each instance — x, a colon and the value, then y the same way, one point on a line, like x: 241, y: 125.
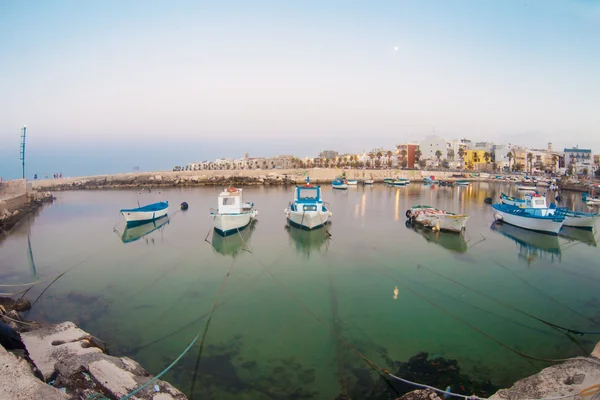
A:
x: 368, y: 181
x: 578, y: 219
x: 462, y: 182
x: 352, y: 182
x: 232, y: 214
x: 339, y: 183
x: 589, y: 200
x: 429, y: 180
x: 146, y: 213
x: 307, y: 211
x: 535, y: 215
x: 437, y: 219
x: 399, y: 182
x: 135, y: 232
x: 526, y: 187
x: 388, y: 180
x: 515, y: 201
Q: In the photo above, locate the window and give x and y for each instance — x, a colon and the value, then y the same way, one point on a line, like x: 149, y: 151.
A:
x: 228, y: 201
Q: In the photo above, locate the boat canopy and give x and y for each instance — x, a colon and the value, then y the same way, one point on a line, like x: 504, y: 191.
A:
x: 230, y: 201
x: 308, y: 194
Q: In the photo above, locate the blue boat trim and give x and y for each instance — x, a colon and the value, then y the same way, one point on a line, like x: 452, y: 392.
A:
x: 295, y: 225
x: 522, y: 212
x: 161, y: 205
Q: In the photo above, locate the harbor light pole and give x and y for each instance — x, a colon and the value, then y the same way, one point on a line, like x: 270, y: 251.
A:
x: 23, y: 134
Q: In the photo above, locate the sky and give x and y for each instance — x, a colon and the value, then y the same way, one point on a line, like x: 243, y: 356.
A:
x: 104, y: 87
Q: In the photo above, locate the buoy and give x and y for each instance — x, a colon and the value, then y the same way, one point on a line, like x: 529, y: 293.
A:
x: 184, y: 206
x: 488, y: 200
x: 408, y: 214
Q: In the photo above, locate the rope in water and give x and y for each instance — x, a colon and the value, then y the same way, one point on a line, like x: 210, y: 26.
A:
x: 568, y: 330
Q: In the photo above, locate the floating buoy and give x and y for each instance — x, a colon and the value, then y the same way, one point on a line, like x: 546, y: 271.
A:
x: 558, y: 198
x: 488, y: 200
x: 184, y: 206
x: 408, y: 214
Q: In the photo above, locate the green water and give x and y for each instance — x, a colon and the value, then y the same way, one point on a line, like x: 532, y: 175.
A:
x: 271, y: 333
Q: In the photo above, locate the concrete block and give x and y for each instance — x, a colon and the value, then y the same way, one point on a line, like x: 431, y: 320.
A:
x: 112, y: 378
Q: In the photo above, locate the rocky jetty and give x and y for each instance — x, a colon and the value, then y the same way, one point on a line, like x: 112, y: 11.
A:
x: 9, y: 216
x: 59, y: 362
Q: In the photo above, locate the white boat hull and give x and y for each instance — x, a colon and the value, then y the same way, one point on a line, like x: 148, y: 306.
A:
x: 352, y: 182
x: 227, y: 224
x: 522, y: 187
x: 369, y: 182
x: 341, y: 187
x: 580, y: 222
x: 307, y: 219
x: 444, y: 222
x: 534, y: 224
x: 139, y: 216
x: 592, y: 200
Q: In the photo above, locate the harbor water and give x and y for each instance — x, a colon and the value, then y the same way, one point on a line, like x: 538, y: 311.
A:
x: 291, y: 308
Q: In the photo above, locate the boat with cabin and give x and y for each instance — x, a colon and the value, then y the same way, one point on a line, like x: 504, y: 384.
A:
x: 437, y: 219
x: 307, y: 211
x: 533, y: 215
x: 232, y: 214
x: 143, y: 214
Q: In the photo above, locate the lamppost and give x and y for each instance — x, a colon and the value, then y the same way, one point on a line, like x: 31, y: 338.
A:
x: 23, y: 134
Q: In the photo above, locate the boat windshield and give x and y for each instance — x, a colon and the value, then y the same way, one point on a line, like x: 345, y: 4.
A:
x: 308, y: 194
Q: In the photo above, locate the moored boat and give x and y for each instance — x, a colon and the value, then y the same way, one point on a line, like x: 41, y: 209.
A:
x: 437, y: 219
x: 399, y: 182
x: 339, y: 183
x: 368, y: 181
x: 352, y: 182
x: 146, y: 213
x: 578, y: 219
x: 526, y: 187
x: 232, y: 214
x: 462, y: 182
x: 307, y: 211
x: 590, y: 200
x: 534, y: 215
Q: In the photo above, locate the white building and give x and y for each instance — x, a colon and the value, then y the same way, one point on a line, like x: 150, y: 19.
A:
x: 499, y: 157
x: 431, y: 145
x: 579, y: 159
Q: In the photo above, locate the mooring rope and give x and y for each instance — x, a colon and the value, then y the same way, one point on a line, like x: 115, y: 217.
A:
x: 568, y: 330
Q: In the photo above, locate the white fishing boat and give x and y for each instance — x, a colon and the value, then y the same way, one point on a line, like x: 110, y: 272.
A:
x: 534, y: 215
x: 352, y: 182
x: 398, y: 182
x: 437, y: 219
x: 368, y: 181
x: 232, y: 214
x: 339, y: 183
x: 146, y: 213
x: 590, y: 200
x: 526, y: 187
x: 578, y: 219
x: 515, y: 201
x: 462, y: 182
x: 307, y: 211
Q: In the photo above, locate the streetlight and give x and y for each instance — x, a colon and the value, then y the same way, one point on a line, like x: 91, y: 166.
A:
x: 23, y: 135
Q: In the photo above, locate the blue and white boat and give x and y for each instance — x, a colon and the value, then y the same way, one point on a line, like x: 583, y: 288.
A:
x: 578, y: 219
x: 146, y: 213
x: 534, y: 215
x: 399, y: 182
x: 232, y: 214
x: 462, y: 182
x: 307, y: 211
x: 429, y: 180
x: 515, y: 201
x: 339, y: 183
x: 352, y: 182
x: 590, y: 200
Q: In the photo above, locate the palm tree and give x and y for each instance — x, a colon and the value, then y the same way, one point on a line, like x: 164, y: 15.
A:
x: 379, y: 155
x: 418, y: 154
x: 530, y: 161
x: 461, y: 153
x: 371, y: 156
x: 389, y: 155
x: 510, y: 156
x: 438, y: 155
x: 450, y: 154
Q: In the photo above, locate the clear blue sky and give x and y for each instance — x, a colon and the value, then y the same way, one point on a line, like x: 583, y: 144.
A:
x: 106, y: 86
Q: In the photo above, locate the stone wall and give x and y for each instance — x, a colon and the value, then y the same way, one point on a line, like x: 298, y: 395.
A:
x: 14, y: 187
x: 11, y: 204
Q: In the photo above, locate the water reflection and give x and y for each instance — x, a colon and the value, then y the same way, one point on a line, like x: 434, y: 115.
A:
x: 308, y: 241
x: 450, y: 241
x: 136, y: 232
x: 532, y: 245
x: 232, y: 245
x: 581, y: 235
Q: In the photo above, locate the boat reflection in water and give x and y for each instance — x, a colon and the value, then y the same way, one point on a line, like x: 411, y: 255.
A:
x: 580, y: 235
x: 136, y: 231
x: 235, y: 243
x: 532, y: 245
x: 450, y: 241
x: 308, y: 241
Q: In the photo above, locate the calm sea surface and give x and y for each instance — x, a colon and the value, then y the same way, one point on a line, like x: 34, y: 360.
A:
x: 389, y: 290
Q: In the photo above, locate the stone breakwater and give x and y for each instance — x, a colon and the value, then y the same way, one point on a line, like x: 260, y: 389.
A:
x: 14, y: 208
x: 230, y: 177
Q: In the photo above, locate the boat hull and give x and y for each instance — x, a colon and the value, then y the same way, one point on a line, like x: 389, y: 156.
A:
x: 342, y: 186
x: 228, y: 224
x: 545, y: 225
x: 308, y: 220
x: 438, y: 219
x: 368, y: 182
x: 526, y: 187
x: 352, y: 182
x: 580, y: 222
x: 138, y: 217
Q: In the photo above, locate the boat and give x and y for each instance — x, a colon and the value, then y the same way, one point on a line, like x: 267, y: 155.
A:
x: 398, y: 182
x: 515, y: 201
x: 306, y: 241
x: 368, y: 181
x: 307, y: 211
x: 526, y: 187
x: 437, y: 219
x: 232, y: 214
x: 532, y: 245
x: 146, y: 213
x: 135, y: 232
x: 233, y: 245
x: 339, y: 183
x: 388, y: 180
x: 352, y: 182
x: 590, y: 200
x: 429, y: 180
x: 449, y: 241
x: 534, y: 215
x: 578, y: 219
x: 462, y: 182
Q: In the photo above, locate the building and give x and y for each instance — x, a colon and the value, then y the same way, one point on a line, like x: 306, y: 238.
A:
x: 500, y: 157
x: 407, y: 152
x: 475, y: 160
x: 431, y: 145
x: 579, y: 160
